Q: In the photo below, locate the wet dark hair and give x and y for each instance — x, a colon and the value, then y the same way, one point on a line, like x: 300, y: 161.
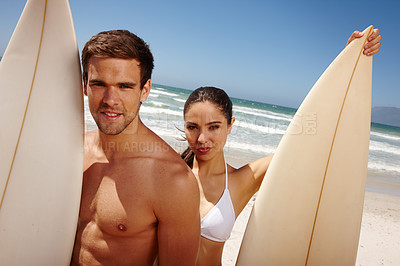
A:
x: 212, y: 95
x: 119, y: 44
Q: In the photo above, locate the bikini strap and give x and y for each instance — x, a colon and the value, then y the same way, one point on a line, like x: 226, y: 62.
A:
x: 226, y: 176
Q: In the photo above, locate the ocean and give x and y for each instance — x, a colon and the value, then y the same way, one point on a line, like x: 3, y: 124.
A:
x: 257, y: 131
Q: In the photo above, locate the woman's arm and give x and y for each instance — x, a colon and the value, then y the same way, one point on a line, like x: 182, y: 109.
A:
x: 249, y: 179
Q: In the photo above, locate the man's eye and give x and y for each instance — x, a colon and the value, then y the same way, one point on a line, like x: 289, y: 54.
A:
x: 125, y: 87
x: 97, y: 85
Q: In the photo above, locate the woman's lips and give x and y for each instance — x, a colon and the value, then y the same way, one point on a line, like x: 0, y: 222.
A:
x: 204, y: 150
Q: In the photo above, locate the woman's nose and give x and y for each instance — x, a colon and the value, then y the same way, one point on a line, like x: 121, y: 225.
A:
x: 202, y: 137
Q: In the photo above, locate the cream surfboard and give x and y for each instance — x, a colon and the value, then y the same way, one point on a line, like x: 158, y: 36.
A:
x: 309, y: 207
x: 41, y: 138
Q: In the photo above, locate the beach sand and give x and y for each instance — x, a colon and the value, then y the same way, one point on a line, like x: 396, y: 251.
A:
x: 380, y: 230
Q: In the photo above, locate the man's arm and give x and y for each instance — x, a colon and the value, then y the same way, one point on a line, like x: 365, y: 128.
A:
x: 179, y: 220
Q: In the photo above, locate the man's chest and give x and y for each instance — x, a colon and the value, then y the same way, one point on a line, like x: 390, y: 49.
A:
x: 119, y: 202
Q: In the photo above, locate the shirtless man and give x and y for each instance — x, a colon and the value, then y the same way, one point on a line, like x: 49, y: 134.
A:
x: 139, y: 199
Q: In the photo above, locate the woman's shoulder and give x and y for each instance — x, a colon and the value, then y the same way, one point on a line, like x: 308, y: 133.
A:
x: 238, y: 173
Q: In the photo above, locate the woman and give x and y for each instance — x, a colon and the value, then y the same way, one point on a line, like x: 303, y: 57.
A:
x: 224, y: 190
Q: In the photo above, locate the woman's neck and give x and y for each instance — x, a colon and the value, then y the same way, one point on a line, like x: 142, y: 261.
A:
x: 209, y: 167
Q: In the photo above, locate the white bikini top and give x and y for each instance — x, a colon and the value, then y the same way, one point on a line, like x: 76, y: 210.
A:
x: 218, y: 223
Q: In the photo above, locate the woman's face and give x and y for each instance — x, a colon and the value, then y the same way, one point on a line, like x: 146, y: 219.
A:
x: 206, y: 129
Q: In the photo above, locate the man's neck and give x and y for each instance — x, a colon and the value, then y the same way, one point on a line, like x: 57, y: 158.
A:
x: 122, y: 143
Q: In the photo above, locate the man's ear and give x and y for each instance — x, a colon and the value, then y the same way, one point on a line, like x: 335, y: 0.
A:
x: 85, y: 89
x: 144, y: 93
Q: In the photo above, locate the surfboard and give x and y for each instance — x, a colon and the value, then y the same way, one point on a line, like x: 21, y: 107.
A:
x: 41, y: 141
x: 309, y: 207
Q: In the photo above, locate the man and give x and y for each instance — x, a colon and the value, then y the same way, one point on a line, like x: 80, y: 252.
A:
x: 139, y: 199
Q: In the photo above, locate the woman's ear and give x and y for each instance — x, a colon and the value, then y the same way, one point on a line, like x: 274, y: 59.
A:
x: 230, y: 126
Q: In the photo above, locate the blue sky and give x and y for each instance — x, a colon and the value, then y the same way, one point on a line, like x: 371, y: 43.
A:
x: 268, y: 51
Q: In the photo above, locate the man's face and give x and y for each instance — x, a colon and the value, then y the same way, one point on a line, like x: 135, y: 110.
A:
x: 114, y: 93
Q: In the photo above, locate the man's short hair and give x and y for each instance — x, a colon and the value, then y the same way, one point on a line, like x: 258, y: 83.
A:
x: 119, y: 44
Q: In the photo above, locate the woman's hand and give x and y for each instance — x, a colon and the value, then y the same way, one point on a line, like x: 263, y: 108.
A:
x: 373, y: 44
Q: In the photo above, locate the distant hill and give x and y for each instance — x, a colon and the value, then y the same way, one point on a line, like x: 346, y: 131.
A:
x: 386, y: 115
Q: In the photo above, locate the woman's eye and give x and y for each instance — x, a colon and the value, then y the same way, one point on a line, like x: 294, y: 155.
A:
x: 214, y: 127
x: 191, y: 127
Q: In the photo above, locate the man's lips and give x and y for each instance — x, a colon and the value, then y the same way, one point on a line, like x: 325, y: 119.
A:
x: 110, y: 114
x: 204, y: 150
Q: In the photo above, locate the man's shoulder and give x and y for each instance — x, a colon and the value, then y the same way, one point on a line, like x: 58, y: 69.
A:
x: 171, y: 169
x: 158, y: 157
x: 170, y: 164
x: 160, y: 150
x: 176, y: 185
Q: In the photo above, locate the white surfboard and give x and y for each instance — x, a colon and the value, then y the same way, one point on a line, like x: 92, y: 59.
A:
x: 41, y: 152
x: 309, y: 207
